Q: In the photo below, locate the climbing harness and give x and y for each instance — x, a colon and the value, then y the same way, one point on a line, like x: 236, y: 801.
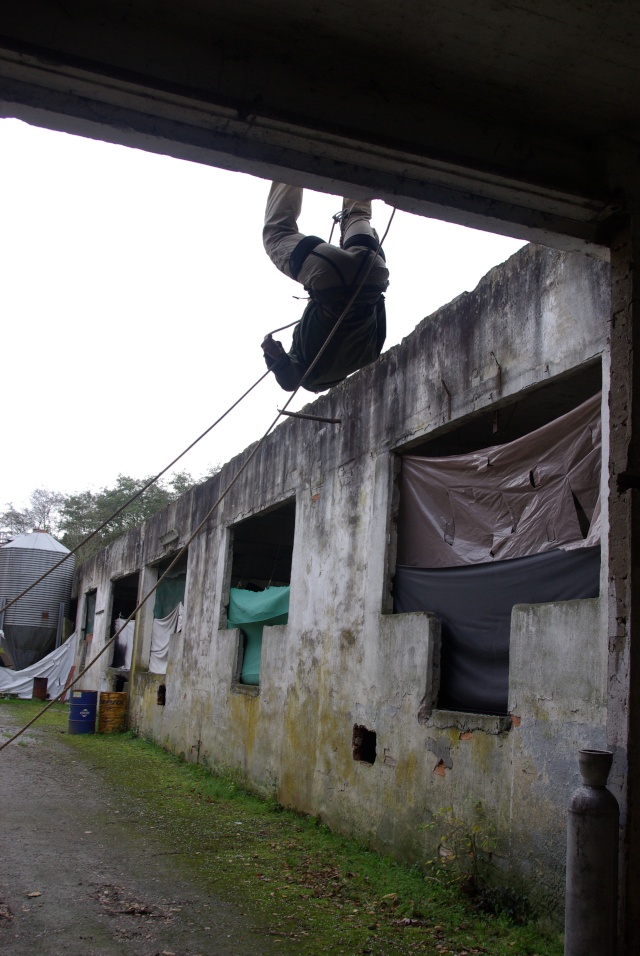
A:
x: 306, y: 246
x: 337, y: 220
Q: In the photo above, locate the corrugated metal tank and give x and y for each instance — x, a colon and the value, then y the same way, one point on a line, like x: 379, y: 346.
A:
x: 30, y: 625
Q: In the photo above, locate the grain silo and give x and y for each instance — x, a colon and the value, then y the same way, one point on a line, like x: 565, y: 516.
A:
x: 31, y: 624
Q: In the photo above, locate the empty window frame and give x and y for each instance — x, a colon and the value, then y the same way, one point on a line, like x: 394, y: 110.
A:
x: 124, y: 602
x: 261, y: 556
x: 474, y: 592
x: 88, y: 621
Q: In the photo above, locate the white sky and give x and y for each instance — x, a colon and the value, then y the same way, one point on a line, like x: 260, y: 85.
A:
x: 135, y: 293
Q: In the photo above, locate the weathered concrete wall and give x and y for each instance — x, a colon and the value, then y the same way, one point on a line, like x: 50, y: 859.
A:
x: 558, y: 699
x: 340, y: 660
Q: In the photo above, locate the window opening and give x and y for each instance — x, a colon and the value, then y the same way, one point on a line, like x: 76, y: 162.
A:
x: 363, y: 744
x: 87, y: 626
x: 170, y: 591
x: 262, y: 550
x: 162, y: 695
x: 125, y: 600
x: 251, y: 611
x: 516, y: 522
x: 168, y: 610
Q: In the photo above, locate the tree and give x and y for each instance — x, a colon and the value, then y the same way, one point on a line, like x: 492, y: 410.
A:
x: 43, y: 513
x: 74, y: 517
x: 45, y: 508
x: 181, y: 482
x: 15, y: 522
x: 84, y: 512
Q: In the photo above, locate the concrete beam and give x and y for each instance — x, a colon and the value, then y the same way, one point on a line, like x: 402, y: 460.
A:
x: 182, y: 124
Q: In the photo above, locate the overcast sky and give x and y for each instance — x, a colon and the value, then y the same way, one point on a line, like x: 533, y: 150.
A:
x: 135, y: 293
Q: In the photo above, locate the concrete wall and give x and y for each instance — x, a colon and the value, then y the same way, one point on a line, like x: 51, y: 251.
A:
x: 340, y: 660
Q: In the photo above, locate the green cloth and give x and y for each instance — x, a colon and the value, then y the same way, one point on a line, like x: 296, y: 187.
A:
x: 169, y: 594
x: 251, y: 611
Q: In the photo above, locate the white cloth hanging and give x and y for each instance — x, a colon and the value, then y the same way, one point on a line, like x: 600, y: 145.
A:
x: 55, y: 667
x: 163, y: 629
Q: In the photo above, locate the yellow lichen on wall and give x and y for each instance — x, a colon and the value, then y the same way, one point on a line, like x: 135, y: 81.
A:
x: 244, y: 712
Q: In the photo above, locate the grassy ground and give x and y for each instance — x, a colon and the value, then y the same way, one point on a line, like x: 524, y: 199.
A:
x: 316, y: 892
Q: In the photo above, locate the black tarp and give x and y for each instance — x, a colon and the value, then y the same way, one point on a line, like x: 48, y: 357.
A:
x: 474, y: 604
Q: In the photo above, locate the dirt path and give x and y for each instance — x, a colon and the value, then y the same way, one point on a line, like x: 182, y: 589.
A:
x: 81, y: 876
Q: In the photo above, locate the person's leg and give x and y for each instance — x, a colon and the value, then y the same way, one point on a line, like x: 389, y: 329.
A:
x: 356, y: 219
x: 280, y: 233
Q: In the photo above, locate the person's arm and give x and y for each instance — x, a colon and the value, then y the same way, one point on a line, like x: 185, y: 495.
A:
x: 288, y: 373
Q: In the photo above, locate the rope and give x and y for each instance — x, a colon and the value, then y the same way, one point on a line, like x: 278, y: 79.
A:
x: 133, y: 498
x: 154, y: 588
x: 147, y: 596
x: 283, y: 327
x: 372, y: 254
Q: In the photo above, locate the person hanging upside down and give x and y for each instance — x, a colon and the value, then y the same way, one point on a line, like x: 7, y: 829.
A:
x: 330, y: 276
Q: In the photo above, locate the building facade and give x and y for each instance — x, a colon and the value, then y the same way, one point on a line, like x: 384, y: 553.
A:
x: 346, y: 719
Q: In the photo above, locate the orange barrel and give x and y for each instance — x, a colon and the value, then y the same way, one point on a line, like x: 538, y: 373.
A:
x: 112, y: 716
x: 39, y: 691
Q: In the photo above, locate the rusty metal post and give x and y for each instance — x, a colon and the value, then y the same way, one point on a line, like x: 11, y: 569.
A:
x: 592, y: 861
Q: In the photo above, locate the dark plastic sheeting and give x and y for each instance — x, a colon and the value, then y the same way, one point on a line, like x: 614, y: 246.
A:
x: 538, y: 493
x: 474, y: 604
x: 27, y: 643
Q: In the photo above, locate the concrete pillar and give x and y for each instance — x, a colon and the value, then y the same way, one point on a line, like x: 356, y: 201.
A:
x: 624, y: 555
x: 142, y: 649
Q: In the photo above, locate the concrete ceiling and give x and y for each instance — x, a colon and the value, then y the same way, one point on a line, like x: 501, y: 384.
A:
x: 517, y: 116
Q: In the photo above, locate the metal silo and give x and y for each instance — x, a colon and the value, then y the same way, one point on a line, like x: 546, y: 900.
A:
x: 30, y: 626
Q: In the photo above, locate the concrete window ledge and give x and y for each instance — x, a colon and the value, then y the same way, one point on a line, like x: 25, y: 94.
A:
x: 467, y: 723
x: 249, y: 690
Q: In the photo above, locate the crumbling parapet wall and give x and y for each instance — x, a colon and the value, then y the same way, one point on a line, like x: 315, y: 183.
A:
x: 341, y: 663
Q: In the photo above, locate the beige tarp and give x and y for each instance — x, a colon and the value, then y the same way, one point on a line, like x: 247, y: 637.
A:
x: 535, y: 494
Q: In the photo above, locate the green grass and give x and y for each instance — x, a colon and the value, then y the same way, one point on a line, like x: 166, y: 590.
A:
x: 314, y: 891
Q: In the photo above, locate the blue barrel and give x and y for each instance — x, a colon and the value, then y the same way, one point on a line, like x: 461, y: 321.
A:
x: 82, y: 711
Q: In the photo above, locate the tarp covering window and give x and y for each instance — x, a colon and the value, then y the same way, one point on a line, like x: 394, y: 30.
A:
x: 535, y: 502
x: 251, y: 611
x: 474, y: 605
x: 170, y: 593
x: 535, y: 494
x: 167, y: 613
x: 161, y: 633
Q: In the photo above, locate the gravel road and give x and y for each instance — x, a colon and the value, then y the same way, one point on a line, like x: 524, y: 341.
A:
x: 78, y: 877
